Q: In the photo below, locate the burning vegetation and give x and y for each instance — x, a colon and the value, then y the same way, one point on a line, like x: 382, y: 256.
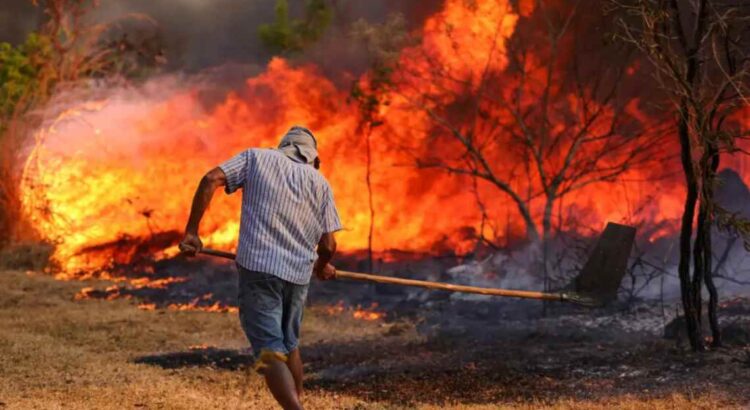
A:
x: 479, y: 143
x: 489, y: 134
x: 97, y: 173
x: 358, y: 312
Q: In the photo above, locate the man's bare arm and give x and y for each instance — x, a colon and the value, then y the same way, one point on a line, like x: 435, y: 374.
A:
x: 215, y: 178
x: 326, y: 249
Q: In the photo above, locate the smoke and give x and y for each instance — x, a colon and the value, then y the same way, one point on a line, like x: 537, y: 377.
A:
x: 198, y: 34
x: 17, y: 19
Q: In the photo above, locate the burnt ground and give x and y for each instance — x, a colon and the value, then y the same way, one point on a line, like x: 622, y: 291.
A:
x: 543, y: 361
x: 433, y: 348
x: 59, y: 351
x: 408, y: 373
x: 541, y: 370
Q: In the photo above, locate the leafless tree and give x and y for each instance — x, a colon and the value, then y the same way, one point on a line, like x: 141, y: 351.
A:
x: 383, y: 43
x: 698, y: 50
x: 542, y: 119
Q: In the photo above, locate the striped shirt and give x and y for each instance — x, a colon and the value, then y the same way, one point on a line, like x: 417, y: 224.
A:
x: 286, y: 207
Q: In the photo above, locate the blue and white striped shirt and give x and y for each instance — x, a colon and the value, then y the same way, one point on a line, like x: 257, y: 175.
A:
x: 286, y: 207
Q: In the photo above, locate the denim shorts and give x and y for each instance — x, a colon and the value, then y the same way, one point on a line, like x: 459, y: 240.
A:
x: 270, y: 313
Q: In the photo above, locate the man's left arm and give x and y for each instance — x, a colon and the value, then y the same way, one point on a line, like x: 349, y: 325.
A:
x: 330, y: 223
x: 191, y: 243
x: 322, y: 269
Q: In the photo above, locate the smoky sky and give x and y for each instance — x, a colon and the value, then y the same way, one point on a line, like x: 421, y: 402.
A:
x: 200, y: 33
x: 17, y: 18
x: 197, y: 34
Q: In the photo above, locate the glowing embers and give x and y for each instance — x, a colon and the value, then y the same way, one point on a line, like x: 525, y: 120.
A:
x: 359, y: 312
x: 163, y: 293
x: 369, y: 313
x: 200, y: 303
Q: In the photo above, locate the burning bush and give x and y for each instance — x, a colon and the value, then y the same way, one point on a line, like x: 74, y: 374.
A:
x: 63, y: 53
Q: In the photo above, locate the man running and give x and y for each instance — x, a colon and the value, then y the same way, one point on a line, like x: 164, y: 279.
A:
x: 287, y: 211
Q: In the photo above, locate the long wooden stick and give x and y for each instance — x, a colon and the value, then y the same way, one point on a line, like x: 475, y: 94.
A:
x: 526, y: 294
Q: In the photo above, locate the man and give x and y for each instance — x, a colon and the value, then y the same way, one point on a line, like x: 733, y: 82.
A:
x: 287, y: 210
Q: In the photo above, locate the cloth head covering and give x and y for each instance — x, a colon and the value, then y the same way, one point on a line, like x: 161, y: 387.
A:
x: 300, y: 145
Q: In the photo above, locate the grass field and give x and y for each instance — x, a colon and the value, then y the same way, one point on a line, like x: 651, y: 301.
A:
x: 56, y: 352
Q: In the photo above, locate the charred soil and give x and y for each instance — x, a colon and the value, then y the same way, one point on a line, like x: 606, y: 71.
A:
x: 58, y: 351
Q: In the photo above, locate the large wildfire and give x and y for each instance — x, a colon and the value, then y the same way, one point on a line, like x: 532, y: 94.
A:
x: 121, y: 169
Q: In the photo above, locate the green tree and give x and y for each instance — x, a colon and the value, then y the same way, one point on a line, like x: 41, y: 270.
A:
x: 287, y: 35
x: 21, y: 72
x: 26, y: 80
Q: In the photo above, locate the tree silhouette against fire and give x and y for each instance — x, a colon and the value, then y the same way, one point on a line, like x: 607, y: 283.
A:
x: 698, y: 52
x: 529, y: 115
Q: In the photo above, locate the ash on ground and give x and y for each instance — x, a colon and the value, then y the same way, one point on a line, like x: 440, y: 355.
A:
x: 470, y: 347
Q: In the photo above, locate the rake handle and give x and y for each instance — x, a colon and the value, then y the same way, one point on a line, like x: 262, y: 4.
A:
x: 221, y: 254
x: 364, y: 277
x: 526, y: 294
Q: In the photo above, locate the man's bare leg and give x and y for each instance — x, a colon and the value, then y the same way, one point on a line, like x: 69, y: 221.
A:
x: 282, y: 384
x: 294, y: 362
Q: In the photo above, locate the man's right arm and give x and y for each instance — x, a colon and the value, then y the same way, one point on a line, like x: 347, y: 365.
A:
x: 191, y: 243
x: 231, y: 175
x: 326, y: 249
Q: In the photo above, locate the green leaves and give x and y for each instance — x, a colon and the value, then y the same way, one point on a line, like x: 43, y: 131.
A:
x: 21, y: 72
x: 286, y: 35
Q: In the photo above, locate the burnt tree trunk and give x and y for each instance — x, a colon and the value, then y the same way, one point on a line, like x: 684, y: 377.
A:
x: 713, y: 294
x: 546, y: 236
x: 700, y: 259
x: 691, y: 289
x: 703, y: 251
x: 692, y: 314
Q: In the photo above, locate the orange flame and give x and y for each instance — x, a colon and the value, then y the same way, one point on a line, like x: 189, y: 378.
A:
x: 361, y: 313
x: 193, y: 305
x: 368, y: 314
x: 118, y: 170
x: 336, y: 309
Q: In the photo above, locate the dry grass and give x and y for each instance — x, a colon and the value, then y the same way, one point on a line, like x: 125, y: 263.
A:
x: 26, y: 256
x: 59, y: 353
